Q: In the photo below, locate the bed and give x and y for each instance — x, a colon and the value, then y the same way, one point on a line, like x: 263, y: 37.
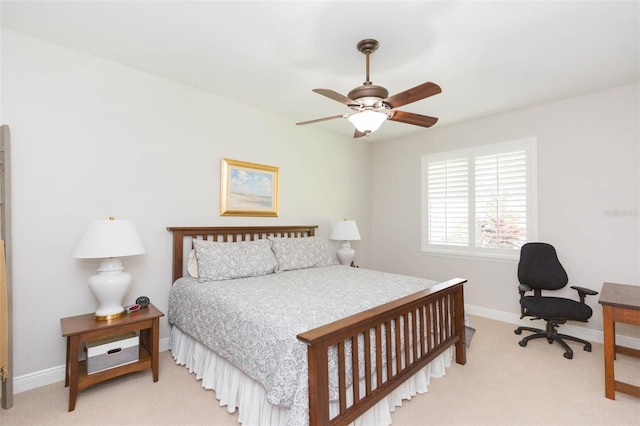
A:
x: 294, y: 341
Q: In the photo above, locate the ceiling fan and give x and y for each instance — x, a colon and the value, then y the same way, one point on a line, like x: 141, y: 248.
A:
x: 373, y: 105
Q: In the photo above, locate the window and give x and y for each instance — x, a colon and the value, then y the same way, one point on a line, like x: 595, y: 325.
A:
x: 481, y: 201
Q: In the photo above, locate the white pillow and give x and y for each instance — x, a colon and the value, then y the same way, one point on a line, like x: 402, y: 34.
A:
x: 225, y: 261
x: 192, y: 264
x: 300, y: 253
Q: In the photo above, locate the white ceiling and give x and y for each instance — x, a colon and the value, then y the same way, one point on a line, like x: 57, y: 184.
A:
x: 487, y: 56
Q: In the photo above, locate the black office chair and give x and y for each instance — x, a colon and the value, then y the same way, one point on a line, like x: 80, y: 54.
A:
x: 539, y: 269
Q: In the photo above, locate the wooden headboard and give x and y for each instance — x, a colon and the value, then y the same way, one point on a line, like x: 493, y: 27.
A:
x: 182, y: 237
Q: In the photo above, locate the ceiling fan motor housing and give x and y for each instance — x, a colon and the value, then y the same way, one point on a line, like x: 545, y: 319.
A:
x: 369, y: 94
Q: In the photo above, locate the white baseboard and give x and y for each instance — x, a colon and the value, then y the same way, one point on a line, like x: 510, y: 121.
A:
x: 55, y: 374
x: 595, y: 336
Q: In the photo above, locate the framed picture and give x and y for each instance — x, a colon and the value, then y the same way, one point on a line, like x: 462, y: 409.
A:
x: 248, y: 189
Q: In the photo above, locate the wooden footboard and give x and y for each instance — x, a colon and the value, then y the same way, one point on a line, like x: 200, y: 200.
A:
x: 407, y: 334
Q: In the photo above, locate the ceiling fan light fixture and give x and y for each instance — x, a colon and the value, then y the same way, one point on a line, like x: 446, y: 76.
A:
x: 367, y: 121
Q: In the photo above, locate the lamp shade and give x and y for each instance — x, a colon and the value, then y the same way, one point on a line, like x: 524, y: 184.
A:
x: 109, y: 238
x: 345, y: 230
x: 367, y: 121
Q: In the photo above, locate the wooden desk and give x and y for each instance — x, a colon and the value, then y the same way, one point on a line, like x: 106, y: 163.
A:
x: 84, y: 328
x: 620, y: 303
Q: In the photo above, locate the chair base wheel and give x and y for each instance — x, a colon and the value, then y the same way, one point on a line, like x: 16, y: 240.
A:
x: 552, y: 336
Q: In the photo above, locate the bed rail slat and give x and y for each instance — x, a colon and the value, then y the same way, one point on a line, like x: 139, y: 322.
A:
x: 387, y: 329
x: 341, y: 377
x: 355, y: 365
x: 431, y: 338
x: 398, y: 345
x: 379, y: 355
x: 414, y: 336
x: 406, y: 347
x: 368, y: 373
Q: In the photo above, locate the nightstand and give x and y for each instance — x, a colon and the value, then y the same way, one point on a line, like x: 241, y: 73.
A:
x: 84, y: 328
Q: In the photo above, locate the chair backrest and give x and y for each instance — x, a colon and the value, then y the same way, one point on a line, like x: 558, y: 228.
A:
x: 539, y: 267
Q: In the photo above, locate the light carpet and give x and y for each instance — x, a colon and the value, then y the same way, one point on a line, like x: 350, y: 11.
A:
x: 501, y: 384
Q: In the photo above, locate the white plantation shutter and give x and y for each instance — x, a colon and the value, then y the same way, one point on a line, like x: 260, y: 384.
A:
x: 501, y: 200
x: 448, y: 202
x: 481, y: 201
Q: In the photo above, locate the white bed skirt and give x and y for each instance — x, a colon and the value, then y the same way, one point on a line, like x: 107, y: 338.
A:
x: 235, y: 390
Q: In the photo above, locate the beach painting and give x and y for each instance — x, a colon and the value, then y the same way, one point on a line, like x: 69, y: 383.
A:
x: 248, y: 189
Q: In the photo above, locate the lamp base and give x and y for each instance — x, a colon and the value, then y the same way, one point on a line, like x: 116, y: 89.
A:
x: 109, y: 286
x: 108, y: 317
x: 345, y: 253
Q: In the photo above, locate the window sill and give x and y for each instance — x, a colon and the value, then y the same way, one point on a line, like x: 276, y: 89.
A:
x: 476, y: 256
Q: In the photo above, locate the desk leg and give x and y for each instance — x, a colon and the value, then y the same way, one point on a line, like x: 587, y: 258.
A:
x: 155, y: 337
x: 609, y: 351
x: 74, y: 370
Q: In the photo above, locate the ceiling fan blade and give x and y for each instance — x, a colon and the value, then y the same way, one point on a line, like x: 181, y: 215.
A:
x: 415, y: 119
x: 415, y: 94
x: 317, y: 120
x: 336, y: 97
x: 359, y: 134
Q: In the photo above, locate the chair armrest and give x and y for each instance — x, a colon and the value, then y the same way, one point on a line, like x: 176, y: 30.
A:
x: 583, y: 292
x: 523, y: 288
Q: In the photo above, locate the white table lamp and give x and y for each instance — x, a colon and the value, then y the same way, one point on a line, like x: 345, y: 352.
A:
x: 108, y: 240
x: 345, y: 231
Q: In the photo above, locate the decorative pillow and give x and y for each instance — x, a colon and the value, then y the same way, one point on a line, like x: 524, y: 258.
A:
x: 299, y: 253
x: 225, y: 261
x: 192, y: 264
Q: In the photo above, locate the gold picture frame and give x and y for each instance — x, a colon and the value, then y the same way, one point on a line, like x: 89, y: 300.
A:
x: 248, y: 189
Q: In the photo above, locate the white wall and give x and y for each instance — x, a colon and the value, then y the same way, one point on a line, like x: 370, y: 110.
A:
x: 587, y: 164
x: 92, y: 138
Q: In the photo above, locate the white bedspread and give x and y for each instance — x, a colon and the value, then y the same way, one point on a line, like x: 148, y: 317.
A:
x: 253, y: 322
